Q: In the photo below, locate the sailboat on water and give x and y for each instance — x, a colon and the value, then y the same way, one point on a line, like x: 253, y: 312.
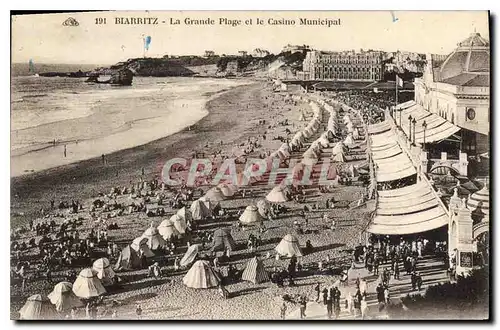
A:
x: 32, y: 69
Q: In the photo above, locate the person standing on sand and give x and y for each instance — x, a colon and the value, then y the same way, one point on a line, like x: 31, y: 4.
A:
x: 64, y: 151
x: 303, y: 305
x: 283, y: 310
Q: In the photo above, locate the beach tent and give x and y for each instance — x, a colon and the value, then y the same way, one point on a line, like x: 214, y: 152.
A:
x: 311, y: 154
x: 284, y: 147
x: 289, y: 246
x: 210, y: 205
x: 190, y: 255
x: 167, y: 229
x: 179, y: 223
x: 201, y: 276
x: 323, y: 140
x: 101, y: 267
x: 87, y: 285
x: 38, y: 307
x: 339, y: 157
x: 276, y: 195
x: 199, y: 210
x: 251, y: 216
x: 128, y: 259
x: 263, y: 208
x: 184, y: 213
x: 228, y: 189
x: 63, y: 297
x: 349, y: 141
x: 255, y: 272
x: 346, y: 118
x: 299, y: 136
x: 339, y: 147
x: 223, y: 240
x: 140, y: 244
x: 316, y: 147
x: 355, y: 134
x: 215, y: 195
x: 353, y: 172
x: 155, y: 241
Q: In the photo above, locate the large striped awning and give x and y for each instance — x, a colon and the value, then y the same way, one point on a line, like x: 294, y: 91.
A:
x: 437, y: 129
x: 390, y: 162
x: 408, y: 210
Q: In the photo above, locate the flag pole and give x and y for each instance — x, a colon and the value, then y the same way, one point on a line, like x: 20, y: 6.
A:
x: 396, y: 80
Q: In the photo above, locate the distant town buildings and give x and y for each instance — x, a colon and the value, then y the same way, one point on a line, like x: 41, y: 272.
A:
x: 257, y: 52
x: 343, y: 66
x: 209, y: 53
x: 405, y: 61
x: 242, y: 53
x: 457, y: 88
x: 295, y: 48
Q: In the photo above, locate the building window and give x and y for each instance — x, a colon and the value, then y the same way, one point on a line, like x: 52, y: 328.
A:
x: 471, y: 114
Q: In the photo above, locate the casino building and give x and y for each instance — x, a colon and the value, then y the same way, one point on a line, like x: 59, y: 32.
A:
x: 457, y: 88
x: 343, y: 66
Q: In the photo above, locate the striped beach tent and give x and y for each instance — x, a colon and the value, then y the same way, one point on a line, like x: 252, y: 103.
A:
x: 255, y: 272
x: 201, y: 276
x: 223, y: 240
x: 87, y: 285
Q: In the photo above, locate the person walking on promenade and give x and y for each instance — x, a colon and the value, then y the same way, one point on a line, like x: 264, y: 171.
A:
x: 329, y: 306
x: 303, y: 305
x: 317, y: 289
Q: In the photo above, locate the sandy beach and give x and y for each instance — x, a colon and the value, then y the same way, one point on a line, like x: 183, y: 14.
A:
x: 233, y: 118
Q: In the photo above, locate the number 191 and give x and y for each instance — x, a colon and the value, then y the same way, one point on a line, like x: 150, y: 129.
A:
x: 100, y: 20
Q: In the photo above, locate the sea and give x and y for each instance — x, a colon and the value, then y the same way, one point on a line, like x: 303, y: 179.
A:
x: 57, y: 121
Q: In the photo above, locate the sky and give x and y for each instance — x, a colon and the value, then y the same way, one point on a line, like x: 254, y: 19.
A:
x: 44, y: 39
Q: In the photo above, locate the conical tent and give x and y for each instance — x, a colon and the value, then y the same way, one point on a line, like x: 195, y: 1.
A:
x: 223, y: 240
x: 276, y: 195
x: 155, y: 241
x: 263, y: 208
x: 179, y: 223
x: 102, y: 268
x: 228, y: 189
x: 201, y: 276
x: 38, y: 307
x: 323, y: 140
x: 128, y: 259
x: 355, y: 134
x: 87, y: 285
x: 339, y: 158
x: 289, y: 246
x: 199, y: 211
x: 349, y: 141
x: 63, y: 297
x: 339, y: 147
x: 190, y: 255
x: 167, y: 229
x: 209, y: 204
x: 255, y: 272
x: 316, y: 146
x: 184, y: 213
x: 140, y: 244
x: 215, y: 195
x: 251, y: 216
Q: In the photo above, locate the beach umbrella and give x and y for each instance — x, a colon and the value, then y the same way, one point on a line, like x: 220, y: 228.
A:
x: 155, y: 241
x: 214, y: 195
x: 87, y: 285
x: 190, y: 255
x: 140, y: 244
x: 255, y: 272
x: 38, y: 307
x: 251, y: 216
x: 201, y: 276
x: 103, y: 271
x: 63, y: 297
x: 128, y: 259
x: 276, y: 195
x: 179, y: 223
x: 167, y: 229
x: 289, y: 246
x: 228, y: 189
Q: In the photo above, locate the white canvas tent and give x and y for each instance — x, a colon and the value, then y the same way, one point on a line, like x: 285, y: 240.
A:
x: 201, y: 276
x: 102, y: 268
x: 190, y: 255
x: 63, y: 297
x: 140, y: 245
x: 251, y: 216
x: 289, y: 246
x: 276, y: 195
x: 167, y: 229
x: 87, y: 285
x: 199, y: 210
